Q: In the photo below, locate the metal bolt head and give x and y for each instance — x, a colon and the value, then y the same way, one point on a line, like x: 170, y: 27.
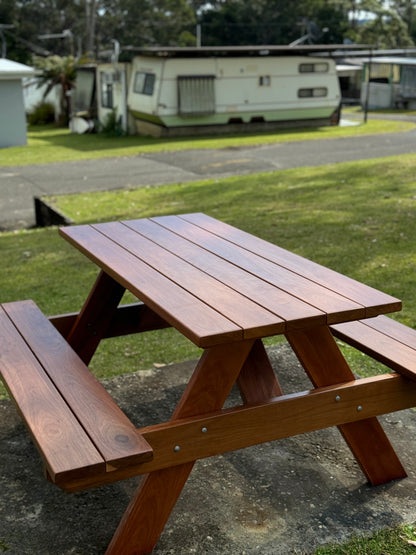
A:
x: 204, y: 430
x: 337, y: 398
x: 176, y: 448
x: 359, y: 408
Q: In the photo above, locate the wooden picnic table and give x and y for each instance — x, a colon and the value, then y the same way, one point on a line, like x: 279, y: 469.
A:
x: 225, y: 290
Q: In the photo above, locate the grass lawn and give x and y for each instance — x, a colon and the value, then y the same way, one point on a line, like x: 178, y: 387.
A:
x: 343, y: 216
x: 357, y: 218
x: 51, y: 144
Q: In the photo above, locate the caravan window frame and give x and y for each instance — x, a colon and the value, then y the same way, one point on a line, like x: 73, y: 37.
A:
x: 314, y: 67
x: 313, y: 92
x: 144, y: 82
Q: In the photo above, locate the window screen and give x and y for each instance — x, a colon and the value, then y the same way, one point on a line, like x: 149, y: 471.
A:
x: 196, y: 95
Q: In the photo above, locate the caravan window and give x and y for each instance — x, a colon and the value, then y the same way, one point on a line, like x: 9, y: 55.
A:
x: 264, y: 81
x: 106, y: 85
x: 313, y: 93
x: 196, y: 94
x: 144, y: 83
x: 321, y: 67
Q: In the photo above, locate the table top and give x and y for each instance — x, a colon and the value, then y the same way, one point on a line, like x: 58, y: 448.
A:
x: 218, y: 284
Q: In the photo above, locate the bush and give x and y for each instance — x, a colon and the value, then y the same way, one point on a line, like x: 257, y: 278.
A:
x: 111, y: 125
x: 43, y: 113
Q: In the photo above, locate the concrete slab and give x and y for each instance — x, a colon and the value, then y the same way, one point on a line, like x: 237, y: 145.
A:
x: 285, y: 497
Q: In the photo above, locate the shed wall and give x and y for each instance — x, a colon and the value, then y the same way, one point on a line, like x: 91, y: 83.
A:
x: 12, y: 114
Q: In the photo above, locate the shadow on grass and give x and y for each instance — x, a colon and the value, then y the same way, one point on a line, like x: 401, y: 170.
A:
x: 99, y: 141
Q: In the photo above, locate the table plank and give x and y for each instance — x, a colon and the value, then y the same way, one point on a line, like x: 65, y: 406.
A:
x: 255, y: 320
x: 195, y: 319
x: 376, y: 302
x: 294, y: 311
x: 337, y: 307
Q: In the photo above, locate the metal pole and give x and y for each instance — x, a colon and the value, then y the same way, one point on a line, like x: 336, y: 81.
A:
x: 367, y: 92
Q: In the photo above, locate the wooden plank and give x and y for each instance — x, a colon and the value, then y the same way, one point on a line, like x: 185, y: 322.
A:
x: 283, y: 416
x: 294, y: 311
x: 95, y: 316
x: 376, y: 302
x: 337, y: 307
x: 113, y: 434
x: 381, y: 339
x: 196, y: 320
x: 64, y: 446
x: 255, y: 320
x: 150, y: 507
x: 257, y: 381
x: 323, y: 361
x: 127, y: 319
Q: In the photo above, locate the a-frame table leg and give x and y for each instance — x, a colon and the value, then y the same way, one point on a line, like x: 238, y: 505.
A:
x: 325, y: 365
x: 152, y: 503
x: 257, y: 381
x: 95, y: 316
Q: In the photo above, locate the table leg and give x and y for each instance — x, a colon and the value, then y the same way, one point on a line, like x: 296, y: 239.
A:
x: 95, y: 316
x: 325, y: 365
x: 152, y: 503
x: 257, y: 380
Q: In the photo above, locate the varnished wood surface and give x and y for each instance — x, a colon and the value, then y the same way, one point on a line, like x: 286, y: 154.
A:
x: 386, y: 340
x: 269, y: 420
x: 217, y: 284
x: 53, y: 387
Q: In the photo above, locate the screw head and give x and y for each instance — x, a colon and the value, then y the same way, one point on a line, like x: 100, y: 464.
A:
x: 337, y: 398
x: 204, y: 430
x: 359, y: 408
x: 176, y: 448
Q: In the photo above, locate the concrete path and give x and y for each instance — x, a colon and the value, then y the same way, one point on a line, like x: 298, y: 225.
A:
x: 19, y: 185
x: 286, y: 497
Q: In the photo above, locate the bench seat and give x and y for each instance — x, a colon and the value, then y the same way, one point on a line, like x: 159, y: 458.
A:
x: 76, y: 425
x: 384, y: 339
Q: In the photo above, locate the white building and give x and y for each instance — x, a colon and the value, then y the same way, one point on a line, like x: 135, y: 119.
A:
x: 12, y: 111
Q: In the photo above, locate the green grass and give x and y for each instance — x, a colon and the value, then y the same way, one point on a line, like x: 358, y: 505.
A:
x: 51, y: 144
x: 397, y: 541
x: 358, y: 218
x: 343, y: 216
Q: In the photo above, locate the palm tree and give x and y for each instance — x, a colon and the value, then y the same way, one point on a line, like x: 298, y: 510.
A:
x: 57, y: 70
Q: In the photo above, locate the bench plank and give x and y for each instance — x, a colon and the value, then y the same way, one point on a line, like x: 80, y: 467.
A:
x: 384, y: 339
x: 113, y: 434
x: 67, y: 451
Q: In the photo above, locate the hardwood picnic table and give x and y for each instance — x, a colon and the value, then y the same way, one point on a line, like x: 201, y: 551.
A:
x: 226, y: 290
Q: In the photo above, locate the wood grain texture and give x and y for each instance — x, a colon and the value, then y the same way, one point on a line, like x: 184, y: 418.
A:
x: 385, y: 340
x: 150, y: 507
x: 192, y: 317
x: 95, y: 316
x: 323, y: 362
x: 279, y: 417
x: 113, y: 434
x: 358, y: 292
x: 336, y: 306
x: 64, y: 446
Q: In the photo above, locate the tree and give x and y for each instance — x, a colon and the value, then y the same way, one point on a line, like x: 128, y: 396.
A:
x: 57, y: 71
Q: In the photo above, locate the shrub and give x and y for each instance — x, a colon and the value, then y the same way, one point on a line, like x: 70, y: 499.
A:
x: 43, y: 113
